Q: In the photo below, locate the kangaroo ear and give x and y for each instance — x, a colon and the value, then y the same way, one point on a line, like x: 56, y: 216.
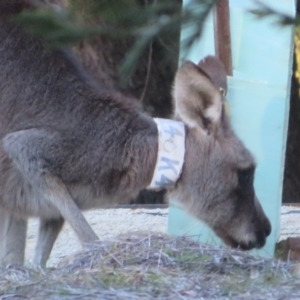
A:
x: 199, y: 92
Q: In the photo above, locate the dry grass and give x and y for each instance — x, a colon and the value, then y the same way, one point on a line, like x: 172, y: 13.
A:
x: 141, y: 266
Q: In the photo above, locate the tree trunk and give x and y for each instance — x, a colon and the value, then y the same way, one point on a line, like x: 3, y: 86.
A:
x: 291, y: 183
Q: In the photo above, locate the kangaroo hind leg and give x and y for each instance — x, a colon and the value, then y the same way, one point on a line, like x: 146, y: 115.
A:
x: 29, y: 151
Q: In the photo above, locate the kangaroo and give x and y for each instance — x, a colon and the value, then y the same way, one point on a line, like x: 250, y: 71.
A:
x: 69, y: 144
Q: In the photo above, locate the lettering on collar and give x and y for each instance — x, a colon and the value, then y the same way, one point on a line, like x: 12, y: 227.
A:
x: 170, y: 156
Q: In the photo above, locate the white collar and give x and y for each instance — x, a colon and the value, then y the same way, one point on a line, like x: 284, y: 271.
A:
x: 170, y: 156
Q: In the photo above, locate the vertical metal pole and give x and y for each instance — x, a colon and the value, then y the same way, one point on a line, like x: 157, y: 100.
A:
x: 222, y: 34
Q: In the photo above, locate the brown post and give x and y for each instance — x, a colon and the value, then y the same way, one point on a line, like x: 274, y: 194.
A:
x: 222, y: 34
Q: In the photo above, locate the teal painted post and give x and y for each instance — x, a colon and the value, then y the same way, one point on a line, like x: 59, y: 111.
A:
x: 259, y: 103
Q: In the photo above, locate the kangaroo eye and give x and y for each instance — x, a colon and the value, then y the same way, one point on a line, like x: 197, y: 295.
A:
x: 245, y: 176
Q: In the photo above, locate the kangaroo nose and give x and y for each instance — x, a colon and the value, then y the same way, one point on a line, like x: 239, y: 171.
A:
x: 268, y: 228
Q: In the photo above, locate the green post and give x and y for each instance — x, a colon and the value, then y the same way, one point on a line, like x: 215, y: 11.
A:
x: 259, y: 104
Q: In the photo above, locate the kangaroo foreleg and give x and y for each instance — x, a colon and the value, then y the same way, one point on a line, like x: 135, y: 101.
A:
x: 12, y: 239
x: 48, y: 232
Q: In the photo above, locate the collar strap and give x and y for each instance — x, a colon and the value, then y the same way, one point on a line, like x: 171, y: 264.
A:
x: 170, y: 156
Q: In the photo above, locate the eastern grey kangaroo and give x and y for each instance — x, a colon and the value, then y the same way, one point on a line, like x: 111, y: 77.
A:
x: 69, y: 144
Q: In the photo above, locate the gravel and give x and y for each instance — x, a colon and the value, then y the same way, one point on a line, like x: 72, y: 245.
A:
x: 290, y: 222
x: 107, y: 223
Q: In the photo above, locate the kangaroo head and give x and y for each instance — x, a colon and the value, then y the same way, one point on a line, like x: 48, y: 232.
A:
x: 216, y: 184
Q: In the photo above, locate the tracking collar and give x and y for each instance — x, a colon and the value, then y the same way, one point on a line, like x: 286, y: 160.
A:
x: 170, y: 156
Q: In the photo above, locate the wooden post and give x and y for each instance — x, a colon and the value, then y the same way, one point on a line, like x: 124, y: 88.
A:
x: 222, y: 34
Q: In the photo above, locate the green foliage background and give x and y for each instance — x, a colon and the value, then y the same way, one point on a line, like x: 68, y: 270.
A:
x: 140, y: 19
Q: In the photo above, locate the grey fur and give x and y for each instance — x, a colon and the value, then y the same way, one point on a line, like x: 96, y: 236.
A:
x: 69, y: 144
